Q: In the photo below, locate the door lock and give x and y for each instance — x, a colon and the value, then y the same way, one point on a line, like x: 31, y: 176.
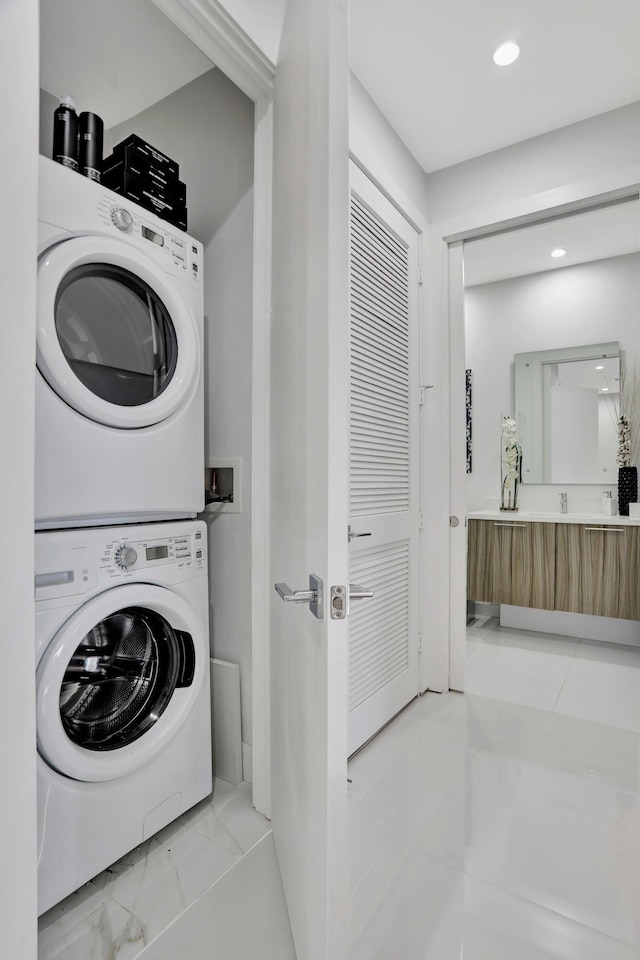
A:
x: 340, y: 600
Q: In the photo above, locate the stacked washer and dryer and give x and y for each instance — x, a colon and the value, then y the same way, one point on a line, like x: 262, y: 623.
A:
x: 121, y: 599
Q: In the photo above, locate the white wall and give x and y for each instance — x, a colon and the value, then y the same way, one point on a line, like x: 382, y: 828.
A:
x: 608, y: 142
x: 207, y: 126
x: 228, y: 312
x: 18, y: 214
x: 590, y: 303
x: 377, y: 147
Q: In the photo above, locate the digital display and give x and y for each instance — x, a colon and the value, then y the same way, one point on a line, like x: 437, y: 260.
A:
x: 153, y: 236
x: 157, y: 553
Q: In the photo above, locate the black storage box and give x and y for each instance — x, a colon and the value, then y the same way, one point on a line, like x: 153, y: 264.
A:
x: 127, y: 185
x: 134, y: 148
x: 113, y: 172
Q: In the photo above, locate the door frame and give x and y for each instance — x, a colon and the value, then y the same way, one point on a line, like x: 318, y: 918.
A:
x: 215, y: 32
x: 445, y: 656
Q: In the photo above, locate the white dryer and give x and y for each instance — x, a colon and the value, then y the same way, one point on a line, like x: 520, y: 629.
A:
x: 122, y: 692
x: 119, y: 384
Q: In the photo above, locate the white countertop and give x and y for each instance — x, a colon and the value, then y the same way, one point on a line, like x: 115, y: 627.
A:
x: 524, y: 515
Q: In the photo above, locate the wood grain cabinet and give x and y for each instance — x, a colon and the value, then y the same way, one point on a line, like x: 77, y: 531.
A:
x: 597, y: 570
x: 512, y: 562
x: 573, y: 567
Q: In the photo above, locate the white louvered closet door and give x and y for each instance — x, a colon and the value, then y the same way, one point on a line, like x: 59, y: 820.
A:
x: 384, y: 457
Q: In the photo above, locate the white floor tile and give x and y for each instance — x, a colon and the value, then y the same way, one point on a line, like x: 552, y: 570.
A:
x: 608, y: 708
x: 529, y: 691
x: 605, y: 752
x: 230, y: 820
x: 532, y: 640
x: 615, y: 653
x: 483, y: 922
x: 108, y: 932
x: 505, y: 658
x: 541, y: 828
x: 114, y: 916
x: 178, y: 868
x: 504, y: 824
x: 243, y: 917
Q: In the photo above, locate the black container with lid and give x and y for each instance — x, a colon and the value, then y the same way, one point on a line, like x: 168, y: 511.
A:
x: 65, y: 133
x: 91, y: 132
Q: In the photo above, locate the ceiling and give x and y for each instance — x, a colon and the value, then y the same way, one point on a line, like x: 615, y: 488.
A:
x: 426, y: 63
x: 428, y: 66
x: 593, y: 235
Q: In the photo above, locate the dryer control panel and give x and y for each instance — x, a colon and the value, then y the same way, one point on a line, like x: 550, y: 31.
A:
x: 76, y: 205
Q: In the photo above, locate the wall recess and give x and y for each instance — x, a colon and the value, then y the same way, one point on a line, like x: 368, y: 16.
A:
x: 223, y: 485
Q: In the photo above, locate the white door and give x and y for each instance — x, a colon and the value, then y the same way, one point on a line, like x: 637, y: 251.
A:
x: 308, y: 478
x: 384, y: 509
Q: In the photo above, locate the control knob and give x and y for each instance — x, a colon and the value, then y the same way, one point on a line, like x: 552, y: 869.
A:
x: 122, y: 219
x: 125, y: 557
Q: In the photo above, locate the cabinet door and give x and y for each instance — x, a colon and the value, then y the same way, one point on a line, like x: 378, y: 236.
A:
x: 596, y: 570
x: 511, y: 562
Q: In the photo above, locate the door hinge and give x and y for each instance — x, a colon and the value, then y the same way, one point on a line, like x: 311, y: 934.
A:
x: 419, y: 643
x: 420, y: 276
x: 420, y: 521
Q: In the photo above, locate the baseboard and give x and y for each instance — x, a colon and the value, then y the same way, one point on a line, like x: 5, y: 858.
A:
x: 606, y: 629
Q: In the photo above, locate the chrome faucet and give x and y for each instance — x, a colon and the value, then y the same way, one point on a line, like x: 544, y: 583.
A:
x: 563, y: 502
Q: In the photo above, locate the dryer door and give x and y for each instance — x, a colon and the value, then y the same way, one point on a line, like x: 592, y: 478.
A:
x: 118, y: 680
x: 115, y: 339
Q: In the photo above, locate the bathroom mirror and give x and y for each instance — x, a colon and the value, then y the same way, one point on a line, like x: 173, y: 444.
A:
x: 567, y: 403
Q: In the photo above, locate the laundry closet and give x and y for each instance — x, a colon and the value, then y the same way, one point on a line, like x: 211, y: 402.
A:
x: 131, y: 66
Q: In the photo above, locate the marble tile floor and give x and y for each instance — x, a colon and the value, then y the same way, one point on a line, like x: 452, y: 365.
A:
x: 118, y: 913
x: 504, y: 824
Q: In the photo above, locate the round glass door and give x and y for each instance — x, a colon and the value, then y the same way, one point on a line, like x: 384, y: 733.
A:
x: 118, y: 680
x: 121, y: 678
x: 115, y: 338
x: 116, y: 334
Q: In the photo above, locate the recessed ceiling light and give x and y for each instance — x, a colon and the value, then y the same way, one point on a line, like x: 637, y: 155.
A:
x: 605, y: 390
x: 506, y: 53
x: 558, y: 252
x: 600, y: 367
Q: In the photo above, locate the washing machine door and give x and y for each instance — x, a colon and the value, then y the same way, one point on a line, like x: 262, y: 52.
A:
x: 118, y: 680
x: 115, y: 338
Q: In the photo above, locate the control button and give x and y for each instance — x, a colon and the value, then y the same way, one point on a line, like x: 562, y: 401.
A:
x: 122, y: 219
x: 126, y: 557
x: 198, y: 534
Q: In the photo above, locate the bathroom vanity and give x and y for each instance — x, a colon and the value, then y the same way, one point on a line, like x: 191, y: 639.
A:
x: 571, y: 563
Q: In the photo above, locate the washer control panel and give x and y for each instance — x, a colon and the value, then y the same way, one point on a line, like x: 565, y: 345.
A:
x: 122, y: 557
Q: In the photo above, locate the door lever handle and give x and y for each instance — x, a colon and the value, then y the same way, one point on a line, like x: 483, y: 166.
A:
x: 356, y: 592
x: 313, y: 596
x: 352, y: 535
x: 295, y: 596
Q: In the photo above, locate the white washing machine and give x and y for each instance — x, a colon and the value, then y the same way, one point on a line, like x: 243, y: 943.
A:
x: 119, y: 384
x: 122, y: 681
